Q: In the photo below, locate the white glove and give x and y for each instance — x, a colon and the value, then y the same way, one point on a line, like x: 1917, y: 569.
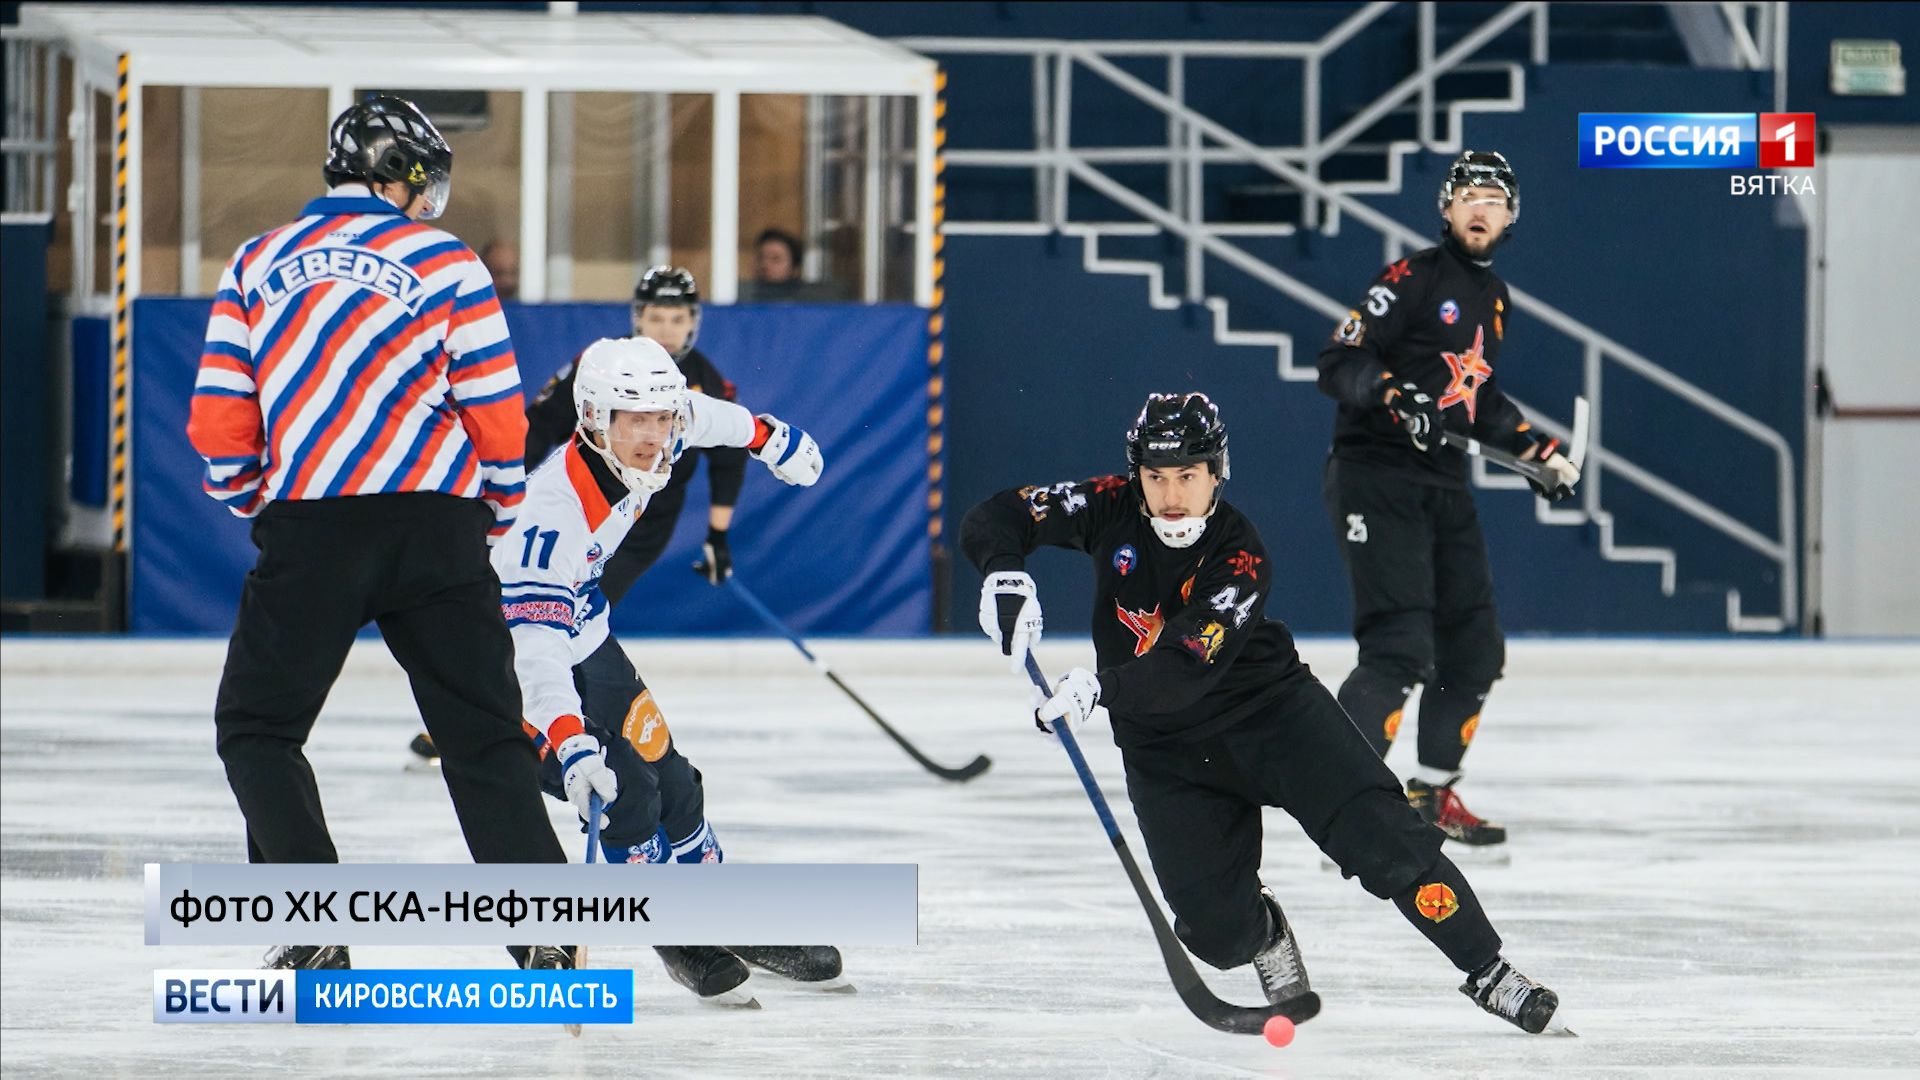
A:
x: 1074, y: 697
x: 789, y: 453
x: 583, y: 764
x: 1010, y: 615
x: 1563, y: 470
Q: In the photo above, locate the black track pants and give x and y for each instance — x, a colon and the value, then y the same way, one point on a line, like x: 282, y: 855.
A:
x: 1422, y: 607
x: 1199, y: 807
x: 658, y: 785
x: 416, y: 565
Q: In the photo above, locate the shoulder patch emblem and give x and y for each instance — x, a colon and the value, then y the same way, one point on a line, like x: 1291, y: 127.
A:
x: 1351, y: 331
x: 1205, y: 642
x: 1398, y: 270
x: 1243, y: 563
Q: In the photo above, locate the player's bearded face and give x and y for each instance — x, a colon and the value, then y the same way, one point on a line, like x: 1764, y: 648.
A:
x: 666, y: 324
x: 1178, y: 492
x: 1477, y: 216
x: 638, y: 438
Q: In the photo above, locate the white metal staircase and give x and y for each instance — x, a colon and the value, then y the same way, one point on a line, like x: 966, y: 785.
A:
x: 1194, y: 141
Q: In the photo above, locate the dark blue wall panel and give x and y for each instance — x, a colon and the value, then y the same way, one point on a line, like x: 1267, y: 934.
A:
x: 847, y: 556
x: 23, y: 411
x: 1049, y: 364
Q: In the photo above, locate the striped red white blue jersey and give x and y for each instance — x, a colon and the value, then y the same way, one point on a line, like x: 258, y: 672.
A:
x: 357, y: 352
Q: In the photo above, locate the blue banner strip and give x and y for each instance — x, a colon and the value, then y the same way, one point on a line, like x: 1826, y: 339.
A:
x: 465, y: 996
x: 1668, y: 140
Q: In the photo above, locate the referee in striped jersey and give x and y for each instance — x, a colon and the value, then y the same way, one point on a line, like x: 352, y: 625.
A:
x: 359, y: 401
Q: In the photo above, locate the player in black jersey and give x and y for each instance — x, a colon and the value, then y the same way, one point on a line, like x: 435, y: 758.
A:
x: 1416, y: 358
x: 1214, y: 713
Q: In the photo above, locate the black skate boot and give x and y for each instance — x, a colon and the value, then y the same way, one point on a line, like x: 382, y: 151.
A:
x: 1501, y: 990
x: 1282, y: 974
x: 311, y: 957
x: 815, y: 966
x: 716, y: 975
x: 548, y: 957
x: 551, y: 958
x: 426, y: 757
x: 1442, y: 807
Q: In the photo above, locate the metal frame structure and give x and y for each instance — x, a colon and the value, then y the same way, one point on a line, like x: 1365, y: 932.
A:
x: 1195, y: 141
x: 533, y: 54
x: 121, y: 49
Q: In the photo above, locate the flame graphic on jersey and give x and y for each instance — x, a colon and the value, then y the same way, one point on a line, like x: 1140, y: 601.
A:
x: 1470, y: 370
x: 1144, y: 624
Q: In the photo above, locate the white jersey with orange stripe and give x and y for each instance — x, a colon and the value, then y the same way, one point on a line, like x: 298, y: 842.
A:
x: 550, y: 564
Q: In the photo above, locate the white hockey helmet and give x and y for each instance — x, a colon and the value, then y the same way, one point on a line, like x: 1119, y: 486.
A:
x: 631, y: 375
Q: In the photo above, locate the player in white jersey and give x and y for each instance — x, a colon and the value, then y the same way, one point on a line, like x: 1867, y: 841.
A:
x: 598, y: 727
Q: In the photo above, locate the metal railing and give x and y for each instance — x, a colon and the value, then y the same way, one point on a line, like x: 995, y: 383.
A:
x: 1056, y: 161
x: 31, y: 143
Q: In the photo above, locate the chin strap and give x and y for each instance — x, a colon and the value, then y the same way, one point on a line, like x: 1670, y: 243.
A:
x: 647, y: 482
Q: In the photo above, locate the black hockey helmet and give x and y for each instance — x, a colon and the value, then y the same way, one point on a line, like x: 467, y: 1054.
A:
x: 669, y: 285
x: 386, y: 139
x: 1177, y: 429
x: 1474, y: 168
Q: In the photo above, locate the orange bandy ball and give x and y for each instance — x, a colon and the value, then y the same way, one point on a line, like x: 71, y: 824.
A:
x: 1278, y: 1030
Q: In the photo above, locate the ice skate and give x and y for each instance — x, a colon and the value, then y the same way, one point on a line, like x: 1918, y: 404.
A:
x: 422, y: 757
x: 1283, y: 977
x: 311, y: 957
x: 551, y: 958
x: 1440, y: 805
x: 817, y: 967
x: 713, y: 973
x: 1503, y: 991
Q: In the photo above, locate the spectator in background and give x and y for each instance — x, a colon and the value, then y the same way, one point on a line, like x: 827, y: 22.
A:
x: 776, y: 258
x: 776, y: 273
x: 502, y: 260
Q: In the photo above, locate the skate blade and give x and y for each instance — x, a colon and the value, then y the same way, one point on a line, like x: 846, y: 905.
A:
x: 417, y: 764
x: 573, y: 1029
x: 1558, y: 1026
x: 740, y: 997
x: 839, y: 984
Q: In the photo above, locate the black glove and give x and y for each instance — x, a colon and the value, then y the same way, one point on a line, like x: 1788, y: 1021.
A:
x: 1414, y: 410
x: 716, y: 561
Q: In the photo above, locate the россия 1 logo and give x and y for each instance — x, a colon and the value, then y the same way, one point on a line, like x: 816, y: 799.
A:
x: 1696, y: 140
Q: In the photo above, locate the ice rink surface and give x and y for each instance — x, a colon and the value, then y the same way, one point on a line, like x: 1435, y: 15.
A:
x: 1715, y: 861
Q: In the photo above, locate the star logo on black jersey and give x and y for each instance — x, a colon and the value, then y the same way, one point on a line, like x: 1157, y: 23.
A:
x: 1470, y: 372
x: 1144, y: 624
x: 1397, y: 271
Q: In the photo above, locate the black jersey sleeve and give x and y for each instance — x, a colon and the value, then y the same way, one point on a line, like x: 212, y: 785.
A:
x: 1224, y: 603
x: 1004, y: 529
x: 551, y: 418
x: 1354, y: 360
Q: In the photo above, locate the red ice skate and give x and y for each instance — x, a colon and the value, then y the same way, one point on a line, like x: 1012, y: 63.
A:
x: 1442, y: 807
